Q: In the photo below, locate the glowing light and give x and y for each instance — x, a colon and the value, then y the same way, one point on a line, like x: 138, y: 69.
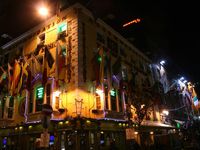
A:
x: 66, y: 122
x: 184, y: 81
x: 88, y: 121
x: 112, y: 92
x: 99, y: 91
x: 142, y: 106
x: 132, y: 22
x: 165, y: 112
x: 56, y: 93
x: 151, y: 133
x: 136, y: 133
x: 162, y: 62
x: 20, y: 128
x: 43, y: 11
x: 60, y: 123
x: 102, y: 132
x: 182, y: 78
x: 30, y: 127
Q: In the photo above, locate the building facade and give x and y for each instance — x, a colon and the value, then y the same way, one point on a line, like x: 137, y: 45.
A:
x: 98, y: 87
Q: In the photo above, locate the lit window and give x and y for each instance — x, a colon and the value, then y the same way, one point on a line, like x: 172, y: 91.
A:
x: 39, y: 98
x: 62, y: 27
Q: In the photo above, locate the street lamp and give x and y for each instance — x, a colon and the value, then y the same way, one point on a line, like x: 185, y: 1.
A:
x: 43, y: 11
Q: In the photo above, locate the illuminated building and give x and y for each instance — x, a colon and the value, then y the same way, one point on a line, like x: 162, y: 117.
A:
x: 87, y: 73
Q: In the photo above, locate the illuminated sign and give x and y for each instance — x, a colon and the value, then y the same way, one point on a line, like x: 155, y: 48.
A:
x: 39, y: 93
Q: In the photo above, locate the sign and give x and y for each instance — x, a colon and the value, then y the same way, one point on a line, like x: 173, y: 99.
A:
x: 39, y: 93
x: 129, y: 133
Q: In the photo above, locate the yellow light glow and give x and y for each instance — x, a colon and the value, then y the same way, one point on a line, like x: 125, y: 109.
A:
x: 136, y: 133
x: 142, y: 106
x: 60, y: 123
x: 151, y: 132
x: 99, y: 91
x: 20, y: 127
x: 88, y: 121
x: 43, y: 11
x: 30, y: 127
x: 66, y: 122
x: 55, y: 94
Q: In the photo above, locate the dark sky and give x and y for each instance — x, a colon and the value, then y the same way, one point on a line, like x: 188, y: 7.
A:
x: 168, y: 29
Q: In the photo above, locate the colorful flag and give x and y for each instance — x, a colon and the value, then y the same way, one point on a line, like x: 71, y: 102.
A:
x: 3, y: 76
x: 48, y: 57
x: 10, y: 75
x: 16, y: 77
x: 24, y: 74
x: 35, y: 66
x: 60, y: 64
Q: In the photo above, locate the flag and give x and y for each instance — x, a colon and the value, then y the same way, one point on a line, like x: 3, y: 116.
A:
x: 3, y: 81
x: 10, y: 75
x: 24, y: 75
x: 35, y: 66
x: 48, y: 57
x: 16, y: 77
x: 3, y: 76
x: 60, y: 64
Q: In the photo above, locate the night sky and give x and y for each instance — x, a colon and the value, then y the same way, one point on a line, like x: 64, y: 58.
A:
x: 168, y: 29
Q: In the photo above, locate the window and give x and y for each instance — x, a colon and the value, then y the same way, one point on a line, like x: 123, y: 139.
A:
x: 100, y: 38
x: 31, y: 103
x: 120, y: 100
x: 113, y: 100
x: 113, y: 47
x: 11, y: 107
x: 98, y: 102
x: 106, y: 97
x: 42, y: 39
x: 62, y: 27
x: 48, y: 93
x: 39, y: 98
x: 3, y: 102
x: 62, y: 31
x: 122, y: 52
